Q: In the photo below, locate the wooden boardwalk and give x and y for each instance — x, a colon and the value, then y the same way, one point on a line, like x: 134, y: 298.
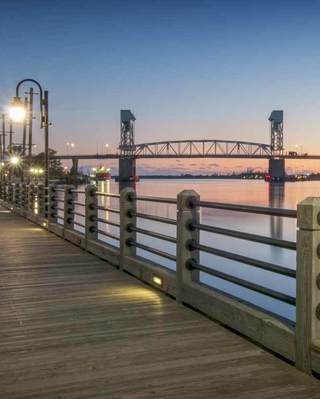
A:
x: 73, y: 327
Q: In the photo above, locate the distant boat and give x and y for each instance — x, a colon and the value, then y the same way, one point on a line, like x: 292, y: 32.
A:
x: 101, y: 174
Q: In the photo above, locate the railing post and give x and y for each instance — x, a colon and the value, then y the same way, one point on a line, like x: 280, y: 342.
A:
x: 24, y: 198
x: 188, y: 214
x: 11, y: 195
x: 16, y: 197
x: 52, y: 204
x: 127, y: 219
x: 1, y: 188
x: 69, y: 197
x: 7, y: 193
x: 41, y: 201
x: 308, y: 282
x: 30, y: 199
x: 91, y: 213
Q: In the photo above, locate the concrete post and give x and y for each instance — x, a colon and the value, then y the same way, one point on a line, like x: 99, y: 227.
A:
x: 15, y: 195
x: 30, y: 199
x: 41, y: 201
x: 52, y: 204
x: 12, y: 195
x: 7, y: 192
x: 24, y: 197
x: 91, y: 213
x: 1, y: 187
x: 69, y: 197
x: 308, y: 282
x: 127, y: 220
x: 187, y: 215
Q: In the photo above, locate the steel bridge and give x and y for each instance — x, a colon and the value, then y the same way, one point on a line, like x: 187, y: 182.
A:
x: 129, y: 152
x: 189, y: 149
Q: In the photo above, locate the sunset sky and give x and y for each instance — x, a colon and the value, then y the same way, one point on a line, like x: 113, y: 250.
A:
x: 187, y: 69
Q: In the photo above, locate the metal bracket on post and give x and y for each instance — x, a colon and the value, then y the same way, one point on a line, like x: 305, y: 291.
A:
x: 127, y: 219
x: 308, y: 282
x: 69, y: 197
x: 187, y: 215
x: 91, y: 213
x: 52, y: 204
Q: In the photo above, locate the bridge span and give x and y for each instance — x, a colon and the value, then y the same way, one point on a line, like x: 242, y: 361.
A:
x: 129, y: 152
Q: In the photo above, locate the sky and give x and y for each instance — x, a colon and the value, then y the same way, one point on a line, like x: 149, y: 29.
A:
x: 187, y: 69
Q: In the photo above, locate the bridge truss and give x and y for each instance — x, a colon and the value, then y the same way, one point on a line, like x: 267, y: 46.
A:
x: 201, y: 149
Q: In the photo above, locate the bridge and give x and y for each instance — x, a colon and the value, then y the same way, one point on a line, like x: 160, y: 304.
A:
x: 85, y: 315
x: 129, y: 152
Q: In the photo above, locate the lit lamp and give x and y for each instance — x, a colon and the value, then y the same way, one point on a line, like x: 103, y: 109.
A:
x: 14, y: 160
x: 17, y: 110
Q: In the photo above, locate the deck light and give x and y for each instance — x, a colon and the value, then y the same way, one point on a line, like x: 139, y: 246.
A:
x: 14, y: 160
x: 157, y: 280
x: 17, y: 110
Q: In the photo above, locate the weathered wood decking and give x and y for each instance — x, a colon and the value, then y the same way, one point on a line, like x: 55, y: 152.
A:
x: 74, y: 327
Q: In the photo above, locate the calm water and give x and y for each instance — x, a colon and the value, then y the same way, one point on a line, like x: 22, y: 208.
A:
x: 236, y: 191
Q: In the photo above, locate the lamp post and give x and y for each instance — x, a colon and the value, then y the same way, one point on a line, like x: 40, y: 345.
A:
x: 18, y: 113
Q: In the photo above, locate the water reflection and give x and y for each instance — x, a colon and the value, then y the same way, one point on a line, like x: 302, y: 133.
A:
x: 276, y: 200
x: 104, y: 214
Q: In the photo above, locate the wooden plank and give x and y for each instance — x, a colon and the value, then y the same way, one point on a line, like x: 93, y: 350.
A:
x: 74, y: 327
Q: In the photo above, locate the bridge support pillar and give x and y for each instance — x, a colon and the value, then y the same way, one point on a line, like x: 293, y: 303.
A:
x: 127, y: 169
x: 277, y: 169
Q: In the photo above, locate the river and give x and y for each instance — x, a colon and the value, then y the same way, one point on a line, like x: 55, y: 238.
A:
x: 249, y: 192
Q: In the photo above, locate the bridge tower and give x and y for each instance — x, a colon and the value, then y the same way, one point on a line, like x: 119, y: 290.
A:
x: 276, y: 162
x: 127, y: 162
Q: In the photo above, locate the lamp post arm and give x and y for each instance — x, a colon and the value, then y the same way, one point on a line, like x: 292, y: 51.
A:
x: 40, y: 92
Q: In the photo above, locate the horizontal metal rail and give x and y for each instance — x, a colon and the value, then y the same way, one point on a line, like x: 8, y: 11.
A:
x: 78, y: 191
x: 78, y: 203
x: 113, y: 210
x: 152, y: 250
x: 77, y: 213
x: 104, y: 233
x: 79, y: 224
x: 60, y: 209
x: 246, y: 236
x: 153, y: 234
x: 58, y: 189
x: 289, y: 213
x: 101, y: 220
x: 245, y: 259
x: 243, y: 283
x: 59, y: 200
x: 154, y: 218
x: 111, y: 195
x: 162, y: 200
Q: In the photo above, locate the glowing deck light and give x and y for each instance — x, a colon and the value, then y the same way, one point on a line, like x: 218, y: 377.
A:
x: 157, y: 280
x: 14, y: 160
x: 17, y: 110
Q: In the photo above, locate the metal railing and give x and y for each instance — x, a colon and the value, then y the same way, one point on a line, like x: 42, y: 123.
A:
x: 83, y: 223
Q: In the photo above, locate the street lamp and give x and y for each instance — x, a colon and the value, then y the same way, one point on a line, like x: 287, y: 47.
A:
x: 107, y: 146
x: 17, y: 110
x: 18, y: 113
